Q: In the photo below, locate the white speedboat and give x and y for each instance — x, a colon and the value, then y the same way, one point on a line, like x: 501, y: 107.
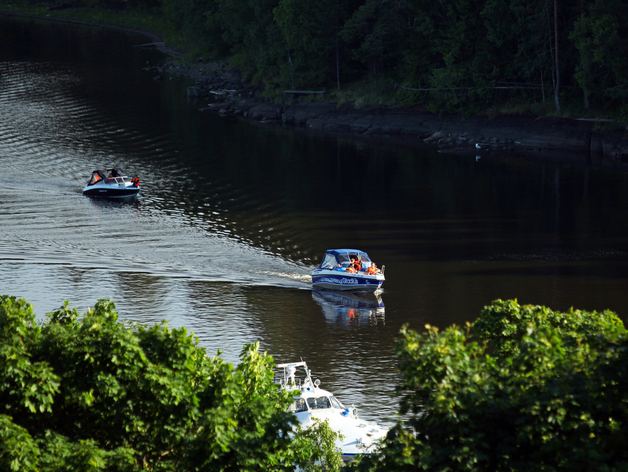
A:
x: 111, y: 183
x: 347, y: 269
x: 311, y: 402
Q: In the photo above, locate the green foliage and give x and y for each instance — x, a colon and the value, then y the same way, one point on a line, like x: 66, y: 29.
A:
x: 246, y: 426
x: 551, y: 397
x: 18, y: 451
x: 374, y: 33
x: 601, y: 37
x: 314, y: 448
x: 505, y: 323
x: 27, y: 384
x: 85, y: 392
x: 310, y: 41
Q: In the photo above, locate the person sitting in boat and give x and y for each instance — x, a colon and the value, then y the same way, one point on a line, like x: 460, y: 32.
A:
x: 111, y: 177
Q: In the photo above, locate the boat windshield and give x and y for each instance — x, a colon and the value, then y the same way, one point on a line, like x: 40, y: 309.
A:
x: 336, y: 403
x: 318, y: 403
x: 298, y: 405
x: 329, y: 262
x: 343, y: 258
x: 365, y: 258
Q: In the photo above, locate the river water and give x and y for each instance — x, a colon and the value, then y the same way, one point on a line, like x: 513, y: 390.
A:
x: 233, y: 217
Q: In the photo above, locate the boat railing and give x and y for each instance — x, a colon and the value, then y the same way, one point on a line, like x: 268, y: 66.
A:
x: 286, y: 377
x: 115, y: 180
x: 285, y: 381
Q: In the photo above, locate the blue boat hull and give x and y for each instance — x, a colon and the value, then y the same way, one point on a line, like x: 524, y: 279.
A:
x: 331, y: 280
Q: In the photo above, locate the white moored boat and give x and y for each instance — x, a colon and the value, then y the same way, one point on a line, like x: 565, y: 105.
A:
x: 111, y: 183
x: 311, y: 402
x: 347, y: 269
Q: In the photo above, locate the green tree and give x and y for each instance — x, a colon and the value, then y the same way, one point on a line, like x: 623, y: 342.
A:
x: 505, y: 323
x: 252, y: 36
x: 87, y: 392
x: 523, y: 388
x: 447, y: 55
x: 601, y: 37
x: 315, y: 448
x: 312, y: 46
x: 374, y: 33
x: 196, y: 21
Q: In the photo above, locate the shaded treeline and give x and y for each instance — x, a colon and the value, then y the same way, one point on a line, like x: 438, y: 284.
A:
x: 447, y: 54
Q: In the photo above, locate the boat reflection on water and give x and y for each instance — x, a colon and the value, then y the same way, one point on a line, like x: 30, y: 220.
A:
x: 350, y: 309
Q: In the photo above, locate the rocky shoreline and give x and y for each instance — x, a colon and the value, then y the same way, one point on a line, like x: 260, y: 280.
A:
x: 558, y: 138
x: 547, y: 137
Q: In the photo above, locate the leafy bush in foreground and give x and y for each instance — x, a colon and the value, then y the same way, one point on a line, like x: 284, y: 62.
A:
x: 521, y: 389
x: 89, y: 393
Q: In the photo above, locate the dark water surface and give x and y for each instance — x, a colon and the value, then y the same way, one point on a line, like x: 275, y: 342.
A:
x: 234, y: 216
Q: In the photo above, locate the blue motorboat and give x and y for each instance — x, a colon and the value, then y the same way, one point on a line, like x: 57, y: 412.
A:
x: 347, y: 269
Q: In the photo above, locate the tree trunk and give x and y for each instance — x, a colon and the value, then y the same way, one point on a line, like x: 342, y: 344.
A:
x: 337, y: 63
x: 557, y: 70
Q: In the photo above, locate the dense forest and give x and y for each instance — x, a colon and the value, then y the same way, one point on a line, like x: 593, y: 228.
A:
x: 563, y: 57
x: 450, y: 55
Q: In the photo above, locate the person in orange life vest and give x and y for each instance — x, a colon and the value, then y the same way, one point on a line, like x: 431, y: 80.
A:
x: 356, y: 264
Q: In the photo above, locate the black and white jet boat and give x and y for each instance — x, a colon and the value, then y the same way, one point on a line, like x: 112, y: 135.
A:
x: 111, y: 183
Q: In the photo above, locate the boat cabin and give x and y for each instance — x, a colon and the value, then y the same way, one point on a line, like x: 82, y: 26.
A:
x: 340, y: 259
x: 319, y: 402
x: 111, y: 176
x: 308, y: 397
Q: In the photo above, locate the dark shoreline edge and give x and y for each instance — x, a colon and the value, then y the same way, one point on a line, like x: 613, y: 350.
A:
x: 554, y: 138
